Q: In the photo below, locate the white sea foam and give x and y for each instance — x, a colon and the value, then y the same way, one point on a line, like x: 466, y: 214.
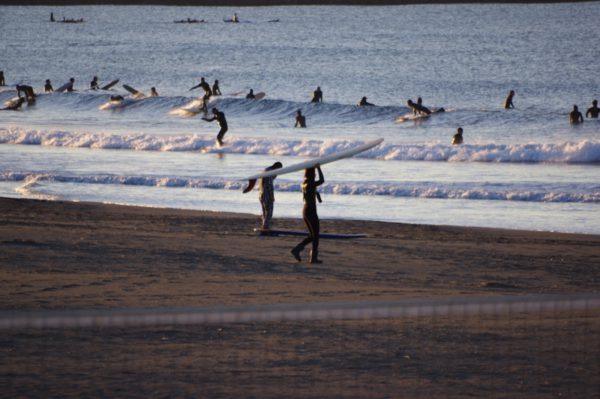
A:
x: 585, y: 151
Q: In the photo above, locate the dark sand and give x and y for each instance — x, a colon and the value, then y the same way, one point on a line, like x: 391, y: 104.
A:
x: 57, y: 255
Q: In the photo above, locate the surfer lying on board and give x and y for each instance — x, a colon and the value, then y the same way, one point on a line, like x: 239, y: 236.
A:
x: 418, y: 109
x: 220, y: 118
x: 266, y: 196
x: 300, y: 119
x: 309, y: 214
x: 15, y: 106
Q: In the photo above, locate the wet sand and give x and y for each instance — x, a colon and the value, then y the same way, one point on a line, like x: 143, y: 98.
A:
x: 60, y: 255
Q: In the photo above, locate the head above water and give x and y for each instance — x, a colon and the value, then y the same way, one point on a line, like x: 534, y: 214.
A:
x: 595, y: 103
x: 215, y: 110
x: 276, y: 165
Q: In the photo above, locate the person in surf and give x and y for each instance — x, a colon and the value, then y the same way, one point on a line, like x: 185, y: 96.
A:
x: 418, y: 109
x: 220, y: 118
x: 300, y: 119
x: 593, y: 111
x: 48, y: 87
x: 94, y: 83
x: 508, y: 103
x: 364, y: 103
x: 457, y: 139
x: 153, y: 92
x: 309, y: 214
x: 575, y: 116
x: 317, y: 96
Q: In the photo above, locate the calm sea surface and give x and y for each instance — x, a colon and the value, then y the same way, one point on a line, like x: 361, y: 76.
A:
x: 524, y: 168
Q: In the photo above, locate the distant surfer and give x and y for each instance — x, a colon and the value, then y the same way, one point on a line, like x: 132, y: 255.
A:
x: 364, y: 103
x: 2, y: 82
x: 575, y: 116
x: 52, y: 17
x: 216, y: 91
x: 250, y: 95
x: 235, y: 18
x: 457, y: 139
x: 317, y: 96
x: 117, y: 99
x: 309, y: 214
x: 220, y: 118
x: 94, y: 83
x: 593, y: 111
x: 14, y: 106
x: 418, y: 109
x: 508, y: 103
x: 48, y: 87
x: 69, y: 87
x: 267, y: 197
x: 300, y: 119
x: 153, y: 92
x: 28, y: 93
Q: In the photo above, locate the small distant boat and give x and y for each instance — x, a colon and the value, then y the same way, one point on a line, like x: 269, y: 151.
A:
x: 190, y: 21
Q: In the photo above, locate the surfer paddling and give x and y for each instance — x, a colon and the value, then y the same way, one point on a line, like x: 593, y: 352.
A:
x: 207, y: 91
x: 220, y: 118
x: 309, y: 214
x: 216, y: 91
x: 266, y: 196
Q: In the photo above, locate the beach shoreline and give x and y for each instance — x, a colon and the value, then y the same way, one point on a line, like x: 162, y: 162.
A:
x: 75, y: 256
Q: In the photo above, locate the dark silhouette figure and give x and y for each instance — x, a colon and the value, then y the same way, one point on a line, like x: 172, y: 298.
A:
x: 153, y: 92
x: 309, y: 213
x: 364, y: 103
x: 52, y: 17
x: 457, y: 139
x: 220, y: 118
x: 250, y: 95
x: 593, y: 111
x: 418, y: 109
x: 508, y: 103
x: 70, y: 86
x: 267, y: 197
x: 2, y: 82
x: 300, y: 119
x: 28, y: 93
x: 48, y: 87
x: 216, y: 91
x: 94, y: 83
x: 207, y: 91
x: 317, y: 96
x: 575, y: 116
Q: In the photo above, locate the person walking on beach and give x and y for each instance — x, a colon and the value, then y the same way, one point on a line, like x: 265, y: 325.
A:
x: 300, y: 119
x: 508, y: 103
x: 48, y: 87
x: 457, y: 139
x: 94, y: 83
x: 266, y: 196
x: 593, y: 111
x: 309, y: 214
x: 575, y: 116
x: 216, y: 91
x: 2, y: 82
x: 220, y: 118
x: 317, y: 96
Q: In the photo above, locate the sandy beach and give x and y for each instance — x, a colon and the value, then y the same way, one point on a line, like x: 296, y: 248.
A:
x: 61, y: 255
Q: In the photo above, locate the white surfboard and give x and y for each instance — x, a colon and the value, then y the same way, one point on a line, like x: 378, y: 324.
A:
x: 63, y: 87
x: 192, y: 108
x: 313, y: 162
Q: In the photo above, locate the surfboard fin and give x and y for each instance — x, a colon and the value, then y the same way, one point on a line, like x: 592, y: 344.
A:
x: 251, y: 184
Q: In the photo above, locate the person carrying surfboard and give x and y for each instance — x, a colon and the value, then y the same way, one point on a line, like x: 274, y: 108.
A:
x: 28, y: 92
x: 363, y: 102
x: 220, y: 118
x: 309, y: 214
x: 266, y: 196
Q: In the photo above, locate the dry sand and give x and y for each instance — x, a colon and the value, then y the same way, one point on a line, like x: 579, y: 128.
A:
x: 59, y: 255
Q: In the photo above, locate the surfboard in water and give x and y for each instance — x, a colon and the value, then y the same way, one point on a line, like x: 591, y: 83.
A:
x: 190, y: 109
x: 111, y: 84
x: 312, y: 163
x: 63, y: 87
x: 133, y: 91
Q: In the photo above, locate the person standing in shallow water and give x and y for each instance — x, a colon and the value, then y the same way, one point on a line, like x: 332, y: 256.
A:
x: 300, y: 119
x: 220, y: 118
x: 593, y: 111
x: 2, y: 82
x: 575, y: 116
x: 266, y: 195
x: 508, y: 103
x: 309, y: 214
x: 457, y: 139
x: 317, y: 96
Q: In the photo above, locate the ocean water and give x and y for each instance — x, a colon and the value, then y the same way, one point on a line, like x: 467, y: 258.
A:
x: 524, y: 168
